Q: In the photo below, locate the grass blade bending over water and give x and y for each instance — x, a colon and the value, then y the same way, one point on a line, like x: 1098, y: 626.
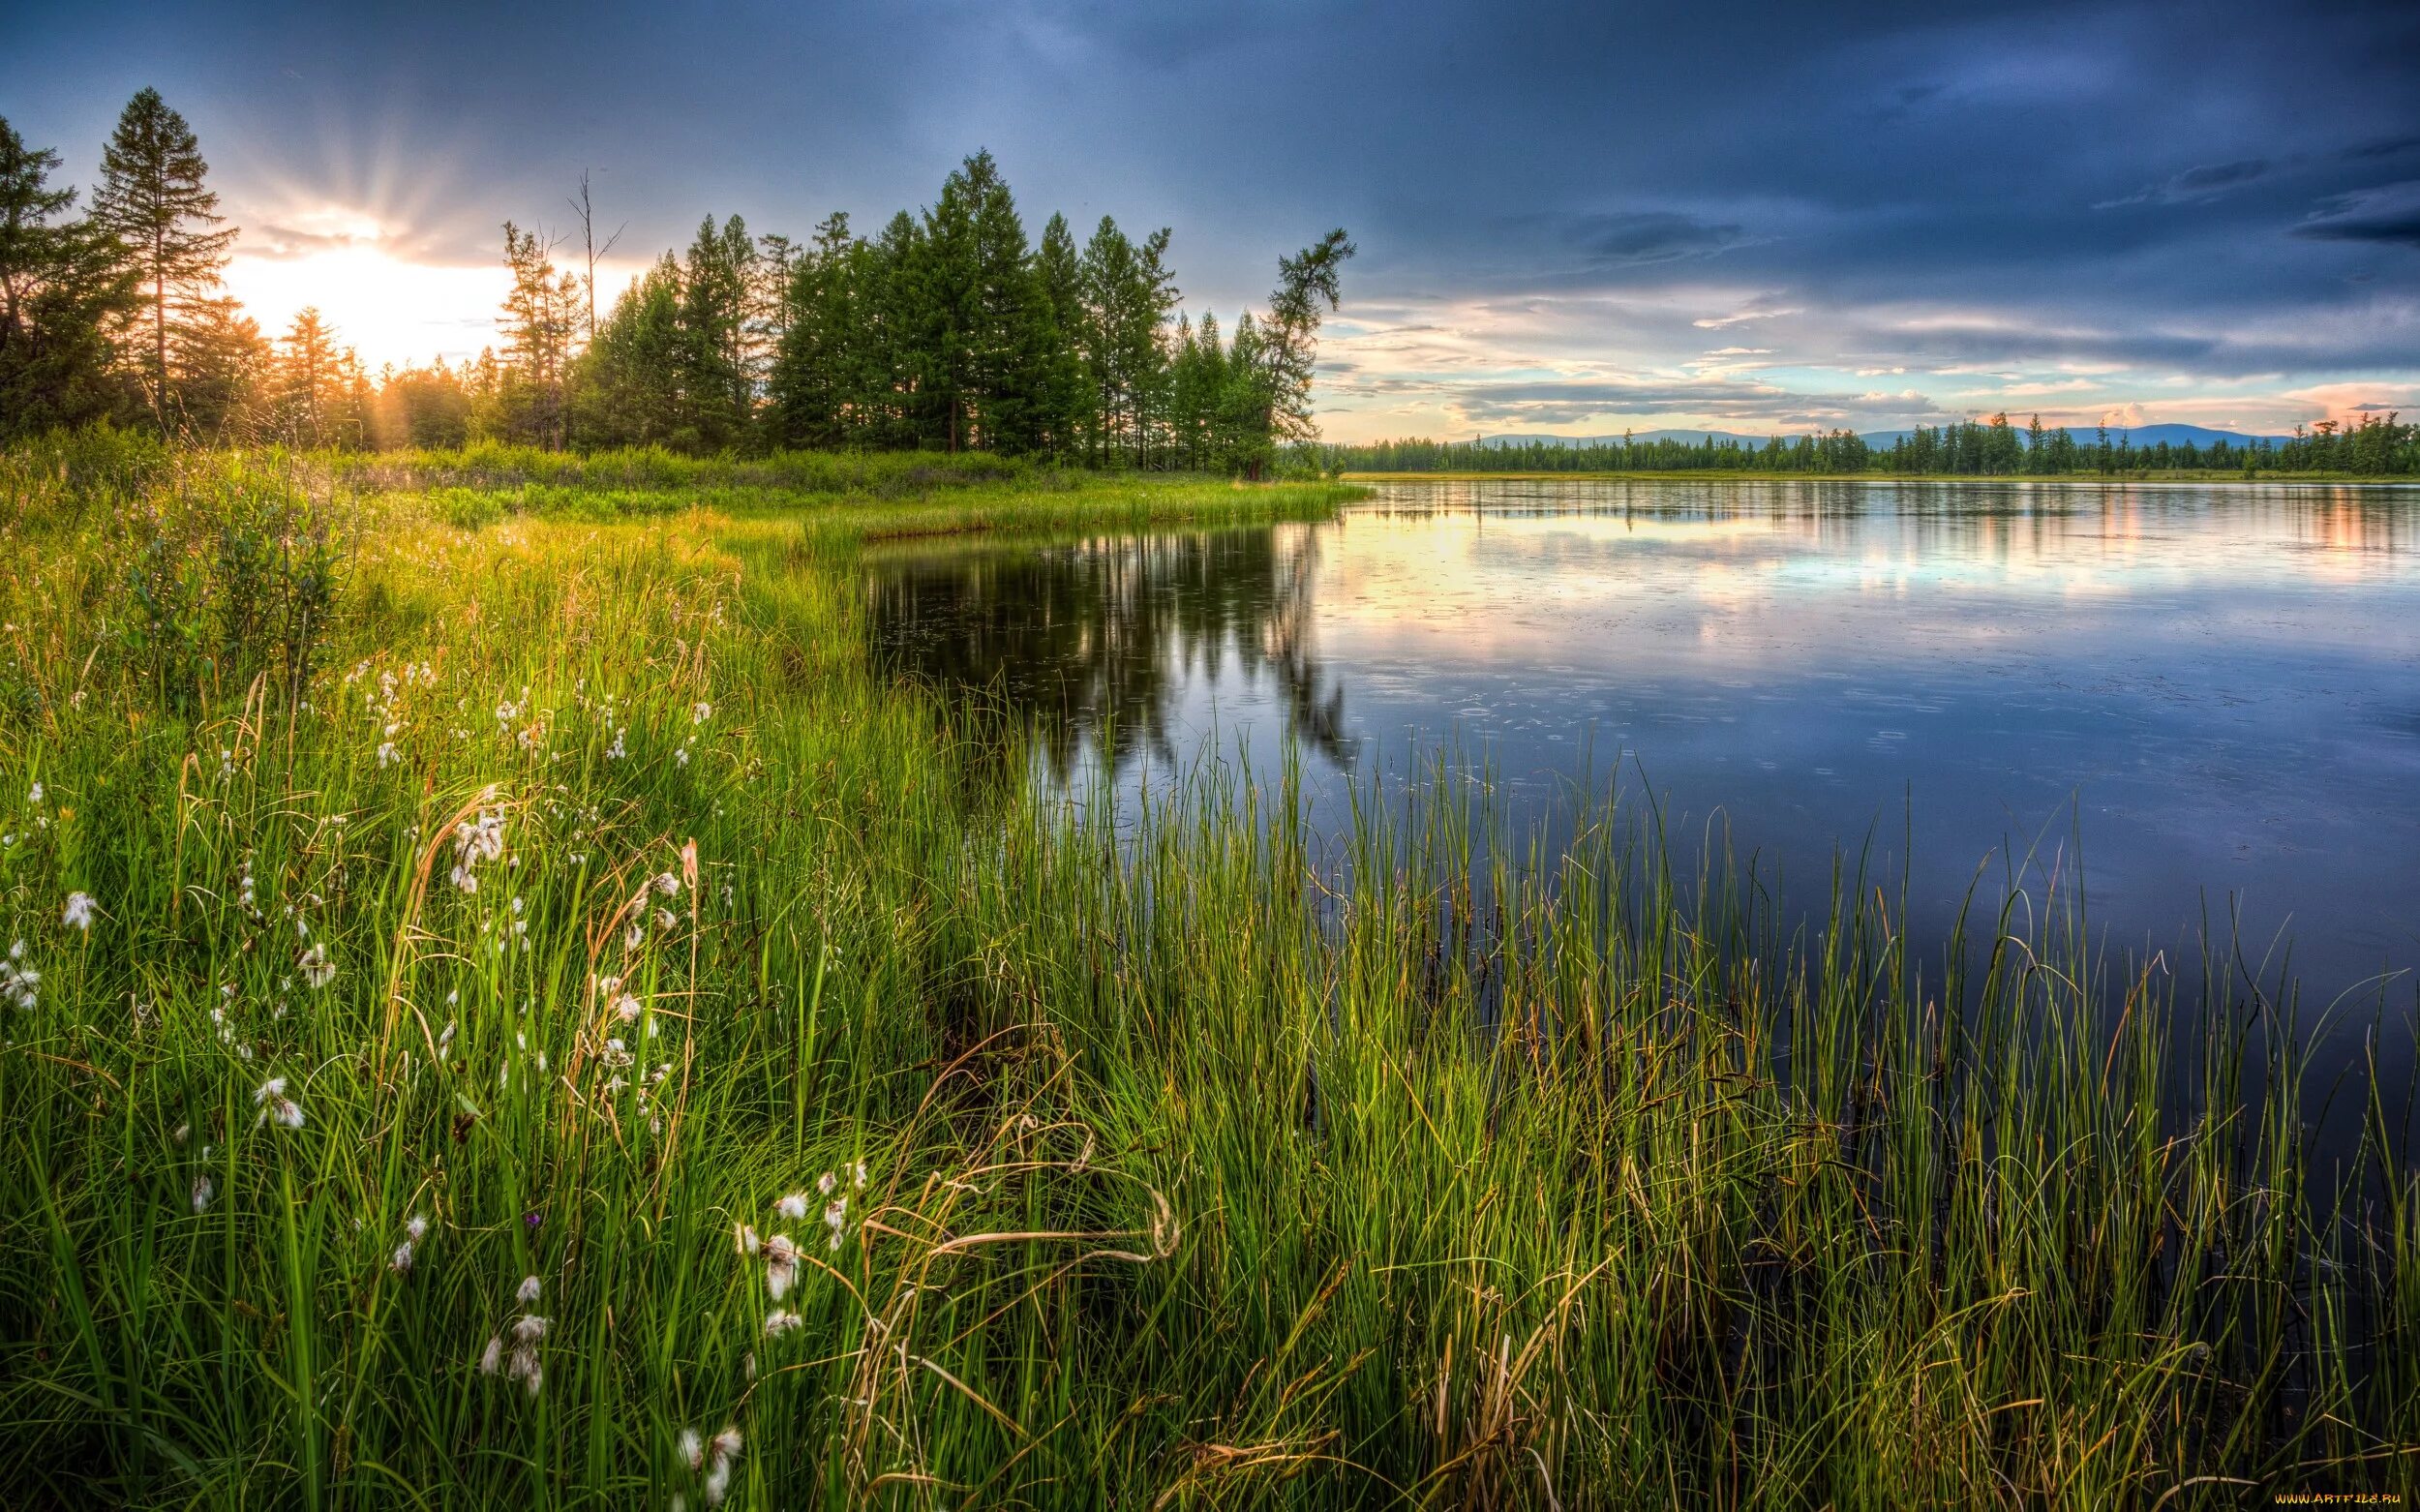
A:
x: 550, y: 1025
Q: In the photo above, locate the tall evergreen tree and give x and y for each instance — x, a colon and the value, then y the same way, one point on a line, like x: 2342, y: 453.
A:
x: 980, y: 321
x: 223, y: 366
x: 542, y: 313
x: 628, y: 389
x: 63, y: 288
x: 1290, y: 335
x: 817, y: 381
x: 1128, y: 294
x: 1063, y: 409
x: 720, y: 385
x: 154, y: 200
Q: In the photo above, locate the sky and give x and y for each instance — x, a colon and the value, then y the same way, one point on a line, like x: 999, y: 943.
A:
x: 1763, y: 216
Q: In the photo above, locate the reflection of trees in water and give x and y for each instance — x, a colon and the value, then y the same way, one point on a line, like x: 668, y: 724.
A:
x: 1091, y: 642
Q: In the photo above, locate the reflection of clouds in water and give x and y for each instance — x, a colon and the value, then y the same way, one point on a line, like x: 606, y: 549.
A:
x: 2211, y: 687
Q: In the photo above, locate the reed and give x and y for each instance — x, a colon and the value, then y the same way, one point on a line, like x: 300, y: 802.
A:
x: 552, y: 1028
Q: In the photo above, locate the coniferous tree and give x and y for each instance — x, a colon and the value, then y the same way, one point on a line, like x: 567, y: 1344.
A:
x: 718, y: 385
x: 1290, y: 335
x: 1128, y: 293
x: 309, y: 385
x: 154, y: 200
x: 63, y: 288
x: 223, y: 366
x: 629, y: 383
x: 1063, y: 418
x: 891, y: 382
x: 817, y: 384
x: 542, y: 312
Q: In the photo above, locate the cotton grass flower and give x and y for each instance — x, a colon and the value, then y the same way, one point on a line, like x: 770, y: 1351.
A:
x: 835, y: 1219
x: 475, y: 841
x: 315, y: 967
x: 779, y: 1321
x: 781, y: 1266
x: 204, y: 1189
x: 713, y: 1456
x: 521, y: 1362
x: 276, y: 1105
x: 528, y: 1292
x: 793, y: 1206
x: 79, y: 912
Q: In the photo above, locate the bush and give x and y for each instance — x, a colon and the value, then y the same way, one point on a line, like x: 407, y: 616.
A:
x: 225, y: 578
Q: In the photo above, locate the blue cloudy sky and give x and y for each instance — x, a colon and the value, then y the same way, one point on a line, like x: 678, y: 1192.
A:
x: 1763, y: 216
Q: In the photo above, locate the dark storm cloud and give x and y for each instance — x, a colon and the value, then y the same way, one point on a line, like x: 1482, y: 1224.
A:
x: 2215, y: 189
x: 2389, y: 213
x: 2205, y: 182
x: 1643, y: 236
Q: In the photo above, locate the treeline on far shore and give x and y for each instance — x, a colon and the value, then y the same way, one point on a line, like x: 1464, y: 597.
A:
x: 948, y: 330
x: 2375, y: 445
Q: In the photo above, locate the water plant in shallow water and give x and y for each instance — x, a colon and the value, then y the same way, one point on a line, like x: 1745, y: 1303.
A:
x: 952, y: 1148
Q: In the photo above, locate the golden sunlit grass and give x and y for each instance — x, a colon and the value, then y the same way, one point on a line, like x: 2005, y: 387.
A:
x: 552, y: 1025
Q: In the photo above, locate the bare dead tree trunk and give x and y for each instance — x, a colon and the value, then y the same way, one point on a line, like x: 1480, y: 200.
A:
x: 586, y: 211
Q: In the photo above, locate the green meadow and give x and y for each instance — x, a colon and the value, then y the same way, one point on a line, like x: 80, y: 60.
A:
x: 506, y: 1004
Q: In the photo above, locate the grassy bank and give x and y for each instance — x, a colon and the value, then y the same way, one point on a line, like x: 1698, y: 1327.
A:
x: 509, y: 998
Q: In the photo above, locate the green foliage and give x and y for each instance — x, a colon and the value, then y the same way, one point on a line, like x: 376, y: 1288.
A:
x: 2375, y: 447
x: 230, y: 575
x: 65, y: 287
x: 593, y: 890
x: 155, y: 205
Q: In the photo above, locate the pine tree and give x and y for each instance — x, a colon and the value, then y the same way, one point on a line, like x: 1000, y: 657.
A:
x: 63, y: 288
x: 718, y: 383
x: 154, y: 201
x: 628, y: 385
x: 1291, y: 335
x: 979, y: 320
x: 890, y: 379
x: 222, y: 365
x: 1064, y: 418
x: 542, y: 312
x: 1128, y: 294
x: 308, y: 384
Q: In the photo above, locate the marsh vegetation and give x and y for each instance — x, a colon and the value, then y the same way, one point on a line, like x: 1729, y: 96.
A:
x: 514, y: 1000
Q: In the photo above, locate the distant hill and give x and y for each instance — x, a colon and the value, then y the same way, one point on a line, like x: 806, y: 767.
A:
x: 2139, y: 437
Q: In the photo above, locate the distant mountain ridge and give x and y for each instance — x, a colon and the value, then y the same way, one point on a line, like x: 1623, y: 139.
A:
x: 2137, y: 437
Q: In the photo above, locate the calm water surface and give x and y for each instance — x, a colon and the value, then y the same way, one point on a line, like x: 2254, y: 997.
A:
x: 2216, y: 690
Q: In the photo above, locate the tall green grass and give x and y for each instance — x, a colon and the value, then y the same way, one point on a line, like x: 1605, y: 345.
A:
x: 1198, y: 1170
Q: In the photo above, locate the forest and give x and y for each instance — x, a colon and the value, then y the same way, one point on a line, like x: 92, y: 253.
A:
x: 947, y: 330
x: 2374, y: 446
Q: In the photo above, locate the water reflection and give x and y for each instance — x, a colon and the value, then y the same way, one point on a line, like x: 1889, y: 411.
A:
x: 2214, y: 691
x: 1090, y: 645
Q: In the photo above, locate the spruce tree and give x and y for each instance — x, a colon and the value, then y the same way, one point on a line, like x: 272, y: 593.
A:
x: 308, y: 383
x: 63, y: 290
x: 1306, y: 281
x: 1062, y: 420
x: 154, y: 200
x: 222, y: 365
x: 714, y: 304
x: 542, y: 314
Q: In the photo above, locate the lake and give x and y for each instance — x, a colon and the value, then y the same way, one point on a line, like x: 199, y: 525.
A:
x: 2209, y: 693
